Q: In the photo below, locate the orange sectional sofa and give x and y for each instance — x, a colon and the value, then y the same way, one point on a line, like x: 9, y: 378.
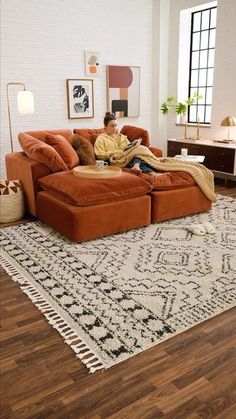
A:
x: 84, y: 209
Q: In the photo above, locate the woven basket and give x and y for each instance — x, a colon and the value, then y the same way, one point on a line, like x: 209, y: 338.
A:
x: 11, y: 205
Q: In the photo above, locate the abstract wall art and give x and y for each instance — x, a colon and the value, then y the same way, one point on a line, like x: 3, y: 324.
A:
x: 80, y: 98
x: 123, y: 90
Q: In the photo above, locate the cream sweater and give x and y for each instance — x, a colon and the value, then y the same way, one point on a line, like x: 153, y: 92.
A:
x: 105, y: 145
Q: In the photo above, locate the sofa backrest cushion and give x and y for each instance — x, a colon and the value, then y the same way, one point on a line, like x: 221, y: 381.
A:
x: 84, y: 150
x: 64, y: 149
x: 135, y: 132
x: 41, y: 135
x: 41, y: 152
x: 82, y: 191
x: 89, y: 134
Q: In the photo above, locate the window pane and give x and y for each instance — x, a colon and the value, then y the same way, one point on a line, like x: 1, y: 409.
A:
x: 208, y: 114
x: 192, y: 113
x: 212, y: 38
x: 193, y: 90
x: 210, y: 77
x: 204, y: 39
x: 202, y: 77
x: 196, y: 38
x: 203, y: 59
x: 194, y: 77
x: 196, y: 21
x: 209, y: 95
x: 195, y: 58
x: 211, y: 58
x: 213, y: 18
x: 200, y: 113
x: 201, y: 91
x: 205, y: 19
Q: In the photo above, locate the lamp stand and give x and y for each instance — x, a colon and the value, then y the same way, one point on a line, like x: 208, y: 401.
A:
x: 9, y: 109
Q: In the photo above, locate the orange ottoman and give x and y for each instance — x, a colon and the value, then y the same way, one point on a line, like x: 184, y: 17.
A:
x: 175, y: 194
x: 84, y: 209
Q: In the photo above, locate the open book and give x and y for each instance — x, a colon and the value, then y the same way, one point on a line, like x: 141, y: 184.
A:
x: 133, y: 144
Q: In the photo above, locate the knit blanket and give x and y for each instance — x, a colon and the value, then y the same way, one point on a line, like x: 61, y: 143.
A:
x: 203, y: 177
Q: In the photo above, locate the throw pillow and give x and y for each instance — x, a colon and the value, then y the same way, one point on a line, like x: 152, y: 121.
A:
x: 41, y: 152
x: 135, y: 132
x: 64, y: 148
x: 84, y: 149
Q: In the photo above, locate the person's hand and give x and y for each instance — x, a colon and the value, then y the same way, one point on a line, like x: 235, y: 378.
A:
x: 117, y: 154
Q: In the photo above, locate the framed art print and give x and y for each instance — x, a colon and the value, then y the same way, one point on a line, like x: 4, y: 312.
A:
x: 80, y: 98
x: 123, y: 90
x: 92, y: 63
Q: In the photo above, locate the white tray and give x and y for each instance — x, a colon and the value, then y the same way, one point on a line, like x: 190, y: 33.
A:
x: 199, y: 159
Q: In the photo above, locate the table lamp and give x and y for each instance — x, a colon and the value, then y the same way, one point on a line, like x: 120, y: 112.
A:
x: 25, y: 104
x: 229, y: 121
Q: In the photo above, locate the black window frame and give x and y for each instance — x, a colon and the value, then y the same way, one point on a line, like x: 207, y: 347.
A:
x: 198, y: 68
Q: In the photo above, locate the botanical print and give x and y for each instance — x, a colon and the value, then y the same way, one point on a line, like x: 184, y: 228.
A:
x: 80, y: 98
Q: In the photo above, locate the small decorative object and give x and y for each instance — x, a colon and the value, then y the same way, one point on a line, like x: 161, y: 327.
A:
x: 229, y: 121
x: 184, y: 151
x: 198, y: 132
x: 92, y: 63
x: 80, y: 98
x: 123, y: 90
x: 180, y: 108
x: 11, y: 201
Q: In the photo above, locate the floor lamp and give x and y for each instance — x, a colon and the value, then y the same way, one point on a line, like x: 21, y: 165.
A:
x: 25, y: 104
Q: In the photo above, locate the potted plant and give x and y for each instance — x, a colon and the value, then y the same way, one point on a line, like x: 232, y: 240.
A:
x: 180, y: 108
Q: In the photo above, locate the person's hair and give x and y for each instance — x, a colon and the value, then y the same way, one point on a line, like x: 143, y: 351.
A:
x: 109, y: 117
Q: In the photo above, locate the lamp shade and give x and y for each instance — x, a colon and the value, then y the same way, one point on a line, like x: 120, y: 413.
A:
x: 25, y: 102
x: 229, y: 121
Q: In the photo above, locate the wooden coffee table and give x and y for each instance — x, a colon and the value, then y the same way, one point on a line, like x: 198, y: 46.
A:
x: 91, y: 172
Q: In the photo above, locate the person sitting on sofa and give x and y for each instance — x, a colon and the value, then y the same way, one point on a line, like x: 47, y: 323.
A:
x: 112, y: 143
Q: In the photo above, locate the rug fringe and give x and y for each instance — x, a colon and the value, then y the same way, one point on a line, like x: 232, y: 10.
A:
x: 82, y: 351
x: 11, y: 270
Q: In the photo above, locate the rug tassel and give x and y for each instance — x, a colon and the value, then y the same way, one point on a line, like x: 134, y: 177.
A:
x: 69, y: 335
x: 11, y: 270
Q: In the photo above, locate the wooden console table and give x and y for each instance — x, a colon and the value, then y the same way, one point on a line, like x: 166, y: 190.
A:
x: 219, y: 157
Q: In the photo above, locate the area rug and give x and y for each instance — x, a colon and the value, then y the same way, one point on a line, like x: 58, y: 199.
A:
x: 116, y: 296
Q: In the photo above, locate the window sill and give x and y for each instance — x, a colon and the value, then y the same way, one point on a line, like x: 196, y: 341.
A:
x: 193, y: 125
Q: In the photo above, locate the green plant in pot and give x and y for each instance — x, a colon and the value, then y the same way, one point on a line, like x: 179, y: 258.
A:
x: 180, y: 108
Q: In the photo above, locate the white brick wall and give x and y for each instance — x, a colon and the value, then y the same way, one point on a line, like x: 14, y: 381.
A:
x: 43, y: 43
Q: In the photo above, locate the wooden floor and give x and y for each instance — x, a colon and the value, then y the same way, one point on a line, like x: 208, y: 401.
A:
x: 190, y: 376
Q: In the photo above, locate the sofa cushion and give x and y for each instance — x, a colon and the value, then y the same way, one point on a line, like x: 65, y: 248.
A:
x: 84, y: 150
x: 89, y: 134
x: 64, y: 149
x: 135, y: 132
x: 167, y: 181
x: 81, y: 191
x: 41, y: 134
x: 41, y: 152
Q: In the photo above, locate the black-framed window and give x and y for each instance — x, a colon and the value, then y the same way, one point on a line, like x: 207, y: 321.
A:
x: 202, y: 55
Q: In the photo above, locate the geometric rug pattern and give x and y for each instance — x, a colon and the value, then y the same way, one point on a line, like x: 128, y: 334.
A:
x: 116, y: 296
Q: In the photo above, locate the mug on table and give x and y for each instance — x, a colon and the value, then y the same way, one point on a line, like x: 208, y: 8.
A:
x: 101, y: 164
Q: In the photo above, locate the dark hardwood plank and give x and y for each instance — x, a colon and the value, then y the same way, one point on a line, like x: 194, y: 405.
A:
x: 190, y: 376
